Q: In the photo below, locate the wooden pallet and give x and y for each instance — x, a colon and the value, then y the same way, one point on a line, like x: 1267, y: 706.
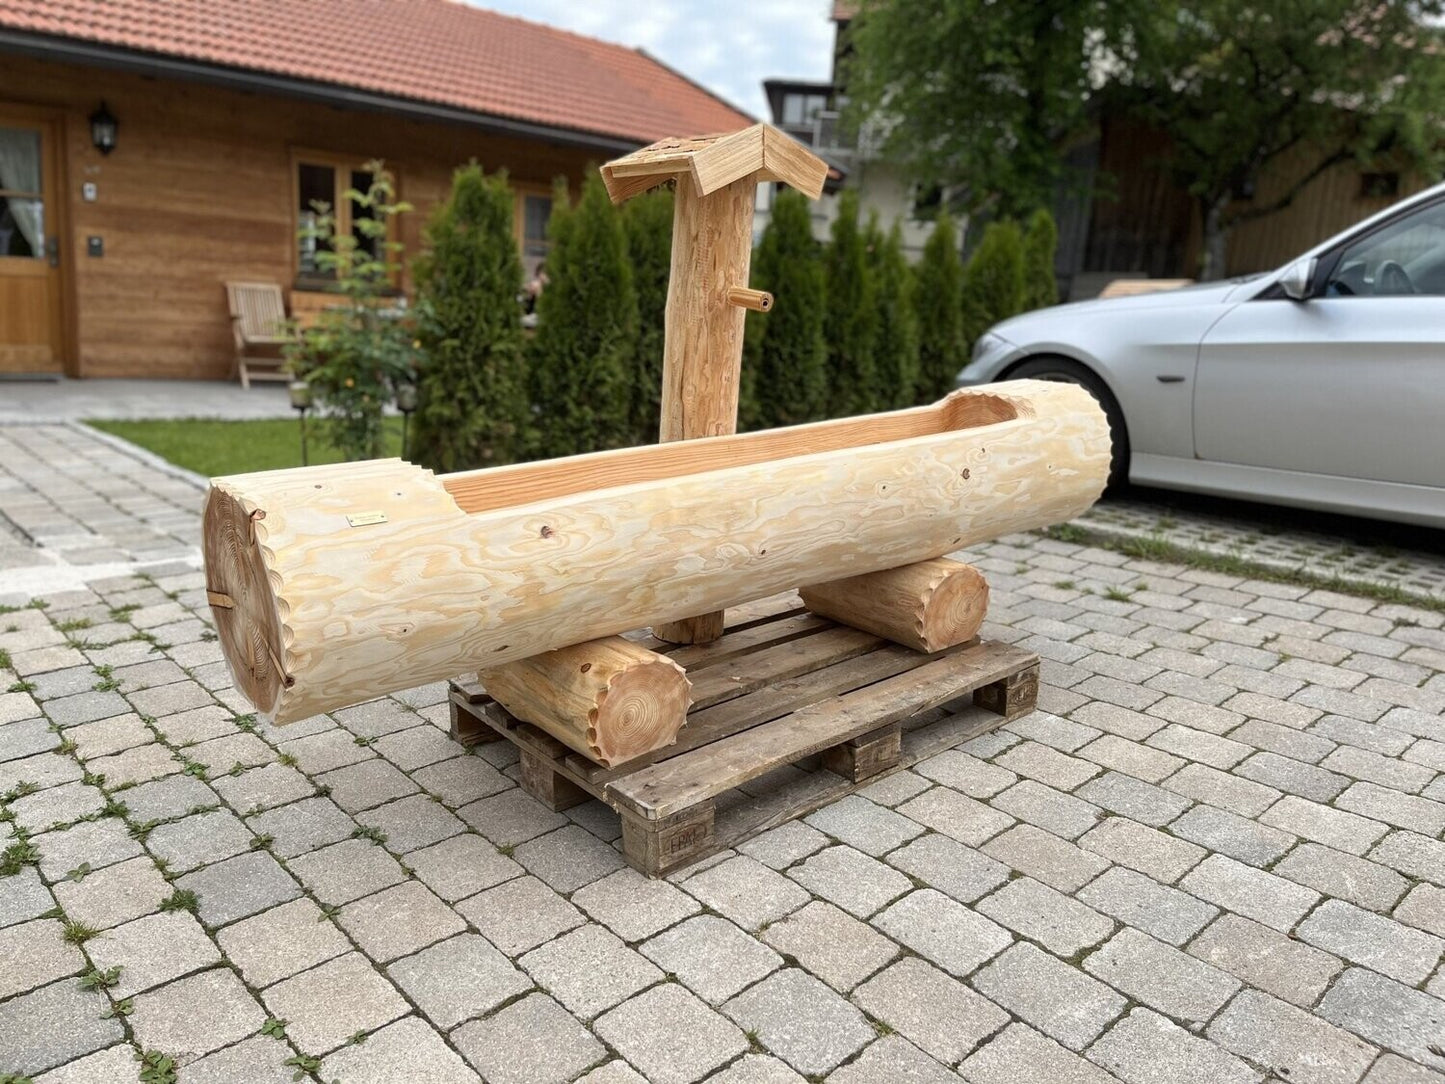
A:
x: 790, y: 712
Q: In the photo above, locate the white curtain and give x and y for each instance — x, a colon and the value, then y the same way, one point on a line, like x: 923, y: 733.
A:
x: 20, y: 171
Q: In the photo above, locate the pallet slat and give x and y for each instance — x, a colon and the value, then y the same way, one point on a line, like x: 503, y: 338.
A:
x: 744, y: 641
x: 736, y: 677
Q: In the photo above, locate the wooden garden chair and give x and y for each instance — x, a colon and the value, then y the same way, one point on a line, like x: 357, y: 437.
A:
x: 258, y: 322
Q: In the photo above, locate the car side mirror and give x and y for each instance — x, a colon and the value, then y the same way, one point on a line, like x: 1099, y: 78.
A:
x: 1298, y: 280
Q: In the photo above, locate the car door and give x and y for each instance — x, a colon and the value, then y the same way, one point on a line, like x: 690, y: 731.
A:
x: 1351, y: 381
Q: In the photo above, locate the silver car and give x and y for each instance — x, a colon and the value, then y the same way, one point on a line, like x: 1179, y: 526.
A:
x: 1320, y: 385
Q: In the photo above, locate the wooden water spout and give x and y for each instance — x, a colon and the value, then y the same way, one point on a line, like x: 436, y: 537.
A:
x: 347, y: 582
x: 707, y: 288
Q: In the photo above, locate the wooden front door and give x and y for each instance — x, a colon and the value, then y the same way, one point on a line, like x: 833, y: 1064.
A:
x: 30, y: 294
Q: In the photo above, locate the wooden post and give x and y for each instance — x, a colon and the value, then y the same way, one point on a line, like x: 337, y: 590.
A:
x: 712, y: 245
x: 707, y: 291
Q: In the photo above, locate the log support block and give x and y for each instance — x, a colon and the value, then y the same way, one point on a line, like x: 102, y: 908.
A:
x: 928, y: 606
x: 610, y: 699
x: 866, y: 755
x: 1012, y: 697
x: 702, y: 629
x: 549, y: 786
x: 658, y: 846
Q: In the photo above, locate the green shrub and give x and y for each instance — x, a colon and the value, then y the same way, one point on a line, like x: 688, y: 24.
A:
x: 785, y: 356
x: 648, y: 220
x: 1041, y: 241
x: 896, y: 348
x: 472, y: 405
x: 938, y: 301
x: 852, y: 324
x: 359, y: 350
x: 586, y: 338
x: 993, y: 281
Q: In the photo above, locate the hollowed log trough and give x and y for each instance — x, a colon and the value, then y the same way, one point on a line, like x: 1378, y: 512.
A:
x: 333, y: 585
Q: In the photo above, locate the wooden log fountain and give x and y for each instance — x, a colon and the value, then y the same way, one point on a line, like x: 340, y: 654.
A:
x: 333, y: 585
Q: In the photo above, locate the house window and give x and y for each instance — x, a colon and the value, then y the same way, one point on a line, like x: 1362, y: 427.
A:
x: 325, y: 181
x: 801, y: 109
x: 535, y: 211
x: 22, y: 217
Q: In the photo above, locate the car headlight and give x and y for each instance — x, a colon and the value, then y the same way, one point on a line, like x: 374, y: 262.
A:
x: 989, y: 343
x: 990, y: 353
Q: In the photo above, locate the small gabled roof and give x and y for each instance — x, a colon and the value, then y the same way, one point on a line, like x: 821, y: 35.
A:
x: 716, y: 161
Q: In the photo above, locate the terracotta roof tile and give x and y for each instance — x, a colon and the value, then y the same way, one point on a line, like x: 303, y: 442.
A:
x: 436, y: 51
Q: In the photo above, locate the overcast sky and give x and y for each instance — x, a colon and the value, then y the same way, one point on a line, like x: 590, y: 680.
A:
x: 730, y: 48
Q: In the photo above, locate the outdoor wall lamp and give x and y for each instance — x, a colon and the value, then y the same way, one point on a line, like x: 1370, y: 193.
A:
x: 103, y: 127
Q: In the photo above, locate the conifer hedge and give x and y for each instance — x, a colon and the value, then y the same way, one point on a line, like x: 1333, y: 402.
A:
x: 648, y: 220
x: 584, y: 353
x: 785, y: 357
x: 938, y: 301
x: 854, y: 329
x: 1041, y: 240
x: 852, y: 324
x: 993, y: 281
x: 896, y: 344
x: 472, y: 405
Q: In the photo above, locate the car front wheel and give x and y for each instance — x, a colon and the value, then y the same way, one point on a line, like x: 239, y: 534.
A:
x: 1071, y: 372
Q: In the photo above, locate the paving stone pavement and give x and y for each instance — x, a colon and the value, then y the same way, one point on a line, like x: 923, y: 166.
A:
x: 1201, y: 861
x: 78, y: 505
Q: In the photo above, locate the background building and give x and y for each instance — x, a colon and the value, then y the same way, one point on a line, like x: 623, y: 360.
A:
x: 810, y: 113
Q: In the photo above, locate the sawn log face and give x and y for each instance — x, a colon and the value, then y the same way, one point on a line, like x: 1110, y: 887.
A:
x: 610, y: 699
x: 420, y: 591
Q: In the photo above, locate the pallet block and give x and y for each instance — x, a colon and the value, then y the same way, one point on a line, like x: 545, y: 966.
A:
x: 791, y: 711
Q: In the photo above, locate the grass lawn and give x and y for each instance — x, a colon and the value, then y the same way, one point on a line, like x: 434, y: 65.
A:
x: 212, y: 447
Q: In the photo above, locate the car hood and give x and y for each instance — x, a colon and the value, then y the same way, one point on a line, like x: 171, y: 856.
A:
x: 1017, y: 328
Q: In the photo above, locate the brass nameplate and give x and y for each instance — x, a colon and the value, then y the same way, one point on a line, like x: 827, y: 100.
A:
x: 366, y: 519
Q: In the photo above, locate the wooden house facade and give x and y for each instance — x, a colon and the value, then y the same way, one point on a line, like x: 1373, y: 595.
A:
x: 229, y: 118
